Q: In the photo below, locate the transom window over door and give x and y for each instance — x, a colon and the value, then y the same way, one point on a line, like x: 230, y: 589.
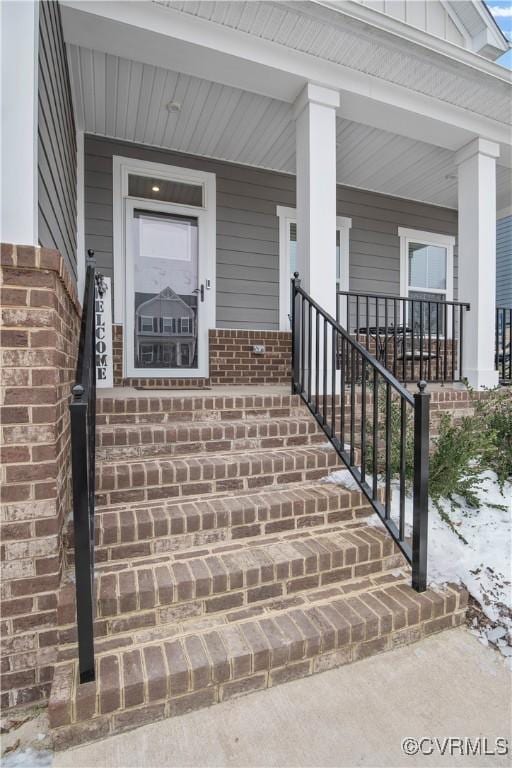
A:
x: 288, y: 258
x: 426, y: 271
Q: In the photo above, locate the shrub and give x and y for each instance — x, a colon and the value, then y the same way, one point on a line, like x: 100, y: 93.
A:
x: 495, y: 416
x: 459, y: 454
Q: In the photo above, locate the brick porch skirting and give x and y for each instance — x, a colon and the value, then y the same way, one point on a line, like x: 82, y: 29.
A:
x: 232, y: 360
x: 39, y: 341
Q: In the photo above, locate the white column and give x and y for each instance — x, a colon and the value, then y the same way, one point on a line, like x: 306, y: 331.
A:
x: 19, y: 23
x: 315, y: 115
x: 477, y: 258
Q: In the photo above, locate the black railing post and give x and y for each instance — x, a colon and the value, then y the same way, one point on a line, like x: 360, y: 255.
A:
x: 84, y: 571
x: 82, y: 410
x: 296, y: 333
x: 420, y: 489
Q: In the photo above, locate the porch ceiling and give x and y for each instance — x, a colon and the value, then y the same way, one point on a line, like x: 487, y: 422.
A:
x: 127, y: 99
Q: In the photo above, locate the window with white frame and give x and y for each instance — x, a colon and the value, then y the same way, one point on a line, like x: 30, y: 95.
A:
x: 288, y: 258
x: 148, y: 324
x: 426, y: 272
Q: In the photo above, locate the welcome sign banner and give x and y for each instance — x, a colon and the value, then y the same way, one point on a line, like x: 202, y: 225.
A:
x: 103, y: 331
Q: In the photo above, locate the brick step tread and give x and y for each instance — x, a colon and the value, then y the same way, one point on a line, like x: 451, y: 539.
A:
x: 185, y: 619
x: 140, y: 530
x: 220, y: 577
x: 179, y: 403
x: 177, y: 674
x: 156, y: 478
x: 189, y: 409
x: 132, y: 440
x: 193, y: 404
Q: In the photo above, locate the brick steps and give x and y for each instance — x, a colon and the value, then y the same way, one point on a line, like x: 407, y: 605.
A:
x: 174, y: 675
x: 140, y: 627
x: 179, y: 409
x: 155, y: 591
x: 131, y: 481
x: 224, y: 564
x: 143, y: 440
x: 152, y: 528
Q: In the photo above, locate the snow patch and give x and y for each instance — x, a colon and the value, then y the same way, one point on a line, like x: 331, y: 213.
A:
x: 475, y: 552
x: 342, y: 477
x: 28, y: 758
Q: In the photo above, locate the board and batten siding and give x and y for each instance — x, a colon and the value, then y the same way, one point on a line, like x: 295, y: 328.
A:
x: 248, y: 229
x: 504, y: 262
x: 56, y: 141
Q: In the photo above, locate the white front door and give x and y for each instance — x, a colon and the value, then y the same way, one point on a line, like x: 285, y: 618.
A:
x: 169, y: 291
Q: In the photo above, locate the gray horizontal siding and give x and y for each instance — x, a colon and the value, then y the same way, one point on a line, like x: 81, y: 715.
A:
x: 56, y: 141
x: 247, y: 227
x: 374, y: 263
x: 248, y: 231
x: 504, y: 262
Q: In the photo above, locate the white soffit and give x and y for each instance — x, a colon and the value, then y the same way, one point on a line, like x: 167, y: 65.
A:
x: 127, y: 100
x: 332, y: 35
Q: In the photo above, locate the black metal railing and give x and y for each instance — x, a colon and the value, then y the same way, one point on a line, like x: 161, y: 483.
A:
x: 379, y: 430
x: 83, y: 452
x: 503, y: 350
x: 413, y: 337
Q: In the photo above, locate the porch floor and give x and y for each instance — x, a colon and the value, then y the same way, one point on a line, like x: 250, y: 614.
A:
x: 229, y: 390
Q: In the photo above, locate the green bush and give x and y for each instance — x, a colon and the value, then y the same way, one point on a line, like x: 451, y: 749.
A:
x: 495, y: 416
x: 460, y: 453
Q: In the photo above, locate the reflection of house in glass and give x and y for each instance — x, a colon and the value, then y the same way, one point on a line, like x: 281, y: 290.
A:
x: 165, y: 330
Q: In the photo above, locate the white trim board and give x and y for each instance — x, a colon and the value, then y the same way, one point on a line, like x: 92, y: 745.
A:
x: 80, y: 215
x: 286, y: 217
x: 122, y: 167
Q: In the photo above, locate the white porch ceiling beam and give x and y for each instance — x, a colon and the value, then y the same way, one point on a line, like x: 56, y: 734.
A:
x: 164, y: 37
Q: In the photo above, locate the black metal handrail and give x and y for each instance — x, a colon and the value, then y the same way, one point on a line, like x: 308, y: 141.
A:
x: 369, y: 417
x: 83, y: 454
x: 412, y: 337
x: 503, y: 342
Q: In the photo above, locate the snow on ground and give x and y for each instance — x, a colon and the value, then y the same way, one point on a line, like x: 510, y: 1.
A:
x: 28, y: 758
x: 483, y: 564
x: 344, y: 478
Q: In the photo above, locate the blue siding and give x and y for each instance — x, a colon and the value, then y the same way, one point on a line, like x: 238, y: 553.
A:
x: 504, y: 262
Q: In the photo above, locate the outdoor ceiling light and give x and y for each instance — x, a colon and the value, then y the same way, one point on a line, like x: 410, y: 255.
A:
x: 173, y: 106
x: 155, y: 188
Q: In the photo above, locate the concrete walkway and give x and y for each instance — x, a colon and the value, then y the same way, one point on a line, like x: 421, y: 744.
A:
x: 446, y: 686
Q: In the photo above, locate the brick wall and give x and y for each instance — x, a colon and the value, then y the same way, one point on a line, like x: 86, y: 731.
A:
x: 232, y: 360
x: 38, y: 343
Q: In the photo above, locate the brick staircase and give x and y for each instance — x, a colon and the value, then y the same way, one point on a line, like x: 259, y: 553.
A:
x: 224, y: 565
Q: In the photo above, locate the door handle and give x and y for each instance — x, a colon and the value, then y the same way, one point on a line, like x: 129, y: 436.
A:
x: 200, y: 291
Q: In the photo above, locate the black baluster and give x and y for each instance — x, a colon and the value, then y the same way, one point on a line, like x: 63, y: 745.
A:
x: 429, y: 341
x: 375, y: 425
x: 403, y: 446
x: 317, y: 359
x: 363, y: 420
x: 334, y: 347
x: 438, y: 351
x: 445, y: 367
x: 324, y: 393
x: 388, y: 450
x: 352, y: 403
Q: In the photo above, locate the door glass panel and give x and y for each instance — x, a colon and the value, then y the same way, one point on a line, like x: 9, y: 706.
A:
x: 165, y: 190
x: 165, y: 290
